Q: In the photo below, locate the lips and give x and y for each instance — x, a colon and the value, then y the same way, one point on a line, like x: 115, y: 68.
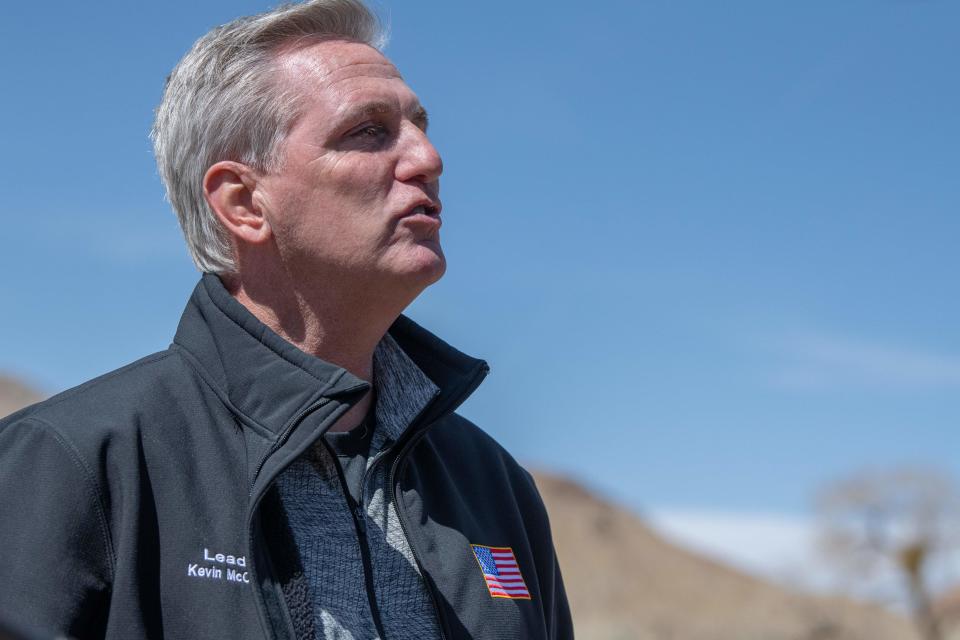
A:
x: 424, y: 209
x: 424, y: 215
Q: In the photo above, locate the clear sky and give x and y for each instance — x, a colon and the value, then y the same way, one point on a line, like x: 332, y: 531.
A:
x: 709, y: 249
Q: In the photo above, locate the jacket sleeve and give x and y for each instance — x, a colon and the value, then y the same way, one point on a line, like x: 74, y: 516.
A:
x: 562, y: 627
x: 55, y: 551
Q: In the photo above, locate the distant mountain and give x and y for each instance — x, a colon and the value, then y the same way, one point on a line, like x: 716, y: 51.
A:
x: 15, y: 395
x: 947, y: 610
x: 624, y: 581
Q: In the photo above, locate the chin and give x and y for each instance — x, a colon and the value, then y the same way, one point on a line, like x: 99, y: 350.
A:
x: 433, y: 270
x: 426, y: 267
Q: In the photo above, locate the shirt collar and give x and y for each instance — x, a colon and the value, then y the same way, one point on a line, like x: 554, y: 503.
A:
x: 403, y: 391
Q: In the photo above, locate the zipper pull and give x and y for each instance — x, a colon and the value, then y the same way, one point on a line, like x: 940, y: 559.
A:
x: 361, y: 519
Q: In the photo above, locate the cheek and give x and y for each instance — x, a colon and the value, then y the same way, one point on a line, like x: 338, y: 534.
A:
x: 357, y: 203
x: 361, y: 180
x: 339, y: 209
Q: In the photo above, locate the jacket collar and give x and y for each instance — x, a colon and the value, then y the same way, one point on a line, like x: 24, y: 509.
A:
x: 267, y: 380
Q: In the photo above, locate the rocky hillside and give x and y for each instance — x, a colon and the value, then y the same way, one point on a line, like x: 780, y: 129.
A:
x: 624, y: 582
x: 947, y: 610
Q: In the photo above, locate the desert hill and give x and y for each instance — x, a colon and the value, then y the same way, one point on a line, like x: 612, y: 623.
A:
x: 947, y: 610
x: 15, y: 395
x: 624, y: 581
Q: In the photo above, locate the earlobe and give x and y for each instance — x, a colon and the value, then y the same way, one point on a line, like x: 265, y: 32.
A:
x: 231, y: 191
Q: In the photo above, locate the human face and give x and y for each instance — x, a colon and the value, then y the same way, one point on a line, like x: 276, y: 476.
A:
x: 355, y: 200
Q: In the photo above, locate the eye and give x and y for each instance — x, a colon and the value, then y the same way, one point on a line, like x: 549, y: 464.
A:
x: 370, y: 132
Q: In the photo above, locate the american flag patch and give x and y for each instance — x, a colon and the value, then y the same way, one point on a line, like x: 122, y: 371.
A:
x: 501, y: 571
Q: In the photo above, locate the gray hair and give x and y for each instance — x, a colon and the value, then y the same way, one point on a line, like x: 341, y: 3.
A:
x: 222, y: 102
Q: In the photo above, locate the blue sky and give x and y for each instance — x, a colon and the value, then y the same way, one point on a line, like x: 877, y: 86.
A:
x: 709, y: 249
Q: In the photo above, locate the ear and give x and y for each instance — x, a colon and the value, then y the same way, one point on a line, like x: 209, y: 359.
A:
x: 229, y: 188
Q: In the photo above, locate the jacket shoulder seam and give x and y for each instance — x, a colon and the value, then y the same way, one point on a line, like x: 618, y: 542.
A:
x: 63, y: 397
x: 77, y: 459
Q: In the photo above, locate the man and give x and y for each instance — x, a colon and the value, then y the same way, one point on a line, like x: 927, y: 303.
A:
x: 292, y: 466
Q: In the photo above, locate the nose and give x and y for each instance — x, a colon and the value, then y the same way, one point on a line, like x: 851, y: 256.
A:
x: 419, y: 159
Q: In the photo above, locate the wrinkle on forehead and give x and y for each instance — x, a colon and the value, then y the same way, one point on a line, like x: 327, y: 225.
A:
x: 331, y: 61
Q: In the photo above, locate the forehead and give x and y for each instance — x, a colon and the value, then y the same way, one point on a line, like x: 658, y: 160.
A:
x: 335, y: 69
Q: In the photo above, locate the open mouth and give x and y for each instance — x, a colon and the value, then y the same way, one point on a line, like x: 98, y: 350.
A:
x: 425, y: 210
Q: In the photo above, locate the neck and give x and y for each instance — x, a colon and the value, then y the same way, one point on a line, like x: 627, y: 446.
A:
x: 341, y: 325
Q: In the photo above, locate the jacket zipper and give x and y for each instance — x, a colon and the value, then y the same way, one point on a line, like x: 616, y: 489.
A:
x: 360, y: 524
x: 284, y: 435
x: 401, y: 516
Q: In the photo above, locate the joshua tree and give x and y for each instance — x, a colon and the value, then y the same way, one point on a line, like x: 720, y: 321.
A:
x: 902, y: 518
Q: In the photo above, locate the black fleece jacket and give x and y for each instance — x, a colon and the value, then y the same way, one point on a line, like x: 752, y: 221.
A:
x: 130, y: 506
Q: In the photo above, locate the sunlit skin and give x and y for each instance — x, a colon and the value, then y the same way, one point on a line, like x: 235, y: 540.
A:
x: 331, y: 246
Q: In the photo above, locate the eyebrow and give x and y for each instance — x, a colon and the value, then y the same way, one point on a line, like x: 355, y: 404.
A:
x: 420, y: 117
x: 379, y: 107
